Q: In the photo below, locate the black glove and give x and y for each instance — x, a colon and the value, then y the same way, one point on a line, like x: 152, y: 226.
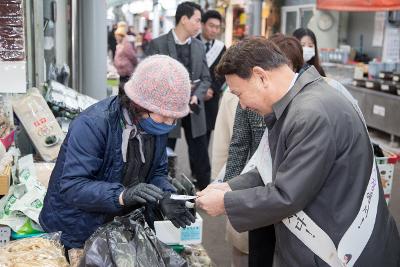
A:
x: 176, y: 211
x: 141, y: 194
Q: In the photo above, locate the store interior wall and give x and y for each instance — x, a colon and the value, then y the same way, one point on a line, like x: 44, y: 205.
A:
x: 325, y: 39
x: 362, y: 23
x: 329, y: 38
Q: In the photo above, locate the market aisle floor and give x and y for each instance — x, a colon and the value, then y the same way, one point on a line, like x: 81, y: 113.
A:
x: 214, y: 241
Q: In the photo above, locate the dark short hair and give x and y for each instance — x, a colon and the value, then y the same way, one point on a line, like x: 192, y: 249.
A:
x: 211, y: 14
x: 134, y: 109
x: 242, y: 57
x: 186, y: 9
x: 292, y: 49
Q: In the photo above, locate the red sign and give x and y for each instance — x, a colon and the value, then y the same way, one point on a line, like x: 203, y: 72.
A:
x: 359, y: 5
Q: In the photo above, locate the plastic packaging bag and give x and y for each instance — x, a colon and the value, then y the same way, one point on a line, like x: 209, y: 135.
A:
x: 59, y: 73
x: 45, y: 250
x: 21, y: 207
x: 127, y: 242
x: 65, y: 101
x: 40, y: 124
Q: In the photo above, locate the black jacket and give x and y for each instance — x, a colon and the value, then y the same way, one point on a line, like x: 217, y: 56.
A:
x: 211, y: 106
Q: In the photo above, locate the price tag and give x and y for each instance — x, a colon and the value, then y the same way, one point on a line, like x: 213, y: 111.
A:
x: 379, y: 110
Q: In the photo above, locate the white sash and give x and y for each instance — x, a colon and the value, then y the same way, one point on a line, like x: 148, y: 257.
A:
x: 303, y: 227
x: 214, y: 52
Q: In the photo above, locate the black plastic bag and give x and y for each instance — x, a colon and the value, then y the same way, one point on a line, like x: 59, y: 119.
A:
x: 127, y: 242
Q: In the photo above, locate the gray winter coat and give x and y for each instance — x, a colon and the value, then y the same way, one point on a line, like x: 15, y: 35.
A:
x: 322, y: 160
x: 165, y: 45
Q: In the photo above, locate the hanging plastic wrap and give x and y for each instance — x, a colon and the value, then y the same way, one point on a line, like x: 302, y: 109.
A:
x: 12, y: 47
x: 59, y: 73
x: 126, y: 241
x: 11, y: 31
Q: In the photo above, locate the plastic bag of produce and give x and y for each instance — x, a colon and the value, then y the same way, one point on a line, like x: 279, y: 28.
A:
x: 45, y: 250
x: 126, y: 241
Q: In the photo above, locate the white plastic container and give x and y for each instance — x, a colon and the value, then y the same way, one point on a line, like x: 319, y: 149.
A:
x: 170, y: 235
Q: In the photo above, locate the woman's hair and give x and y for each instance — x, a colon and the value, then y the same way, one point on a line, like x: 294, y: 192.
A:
x: 292, y: 49
x: 134, y: 109
x: 300, y: 33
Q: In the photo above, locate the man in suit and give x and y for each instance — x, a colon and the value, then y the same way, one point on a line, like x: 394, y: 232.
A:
x: 180, y: 44
x: 211, y: 27
x: 326, y: 210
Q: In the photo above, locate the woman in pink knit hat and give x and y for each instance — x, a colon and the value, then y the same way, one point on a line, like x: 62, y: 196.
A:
x: 113, y: 159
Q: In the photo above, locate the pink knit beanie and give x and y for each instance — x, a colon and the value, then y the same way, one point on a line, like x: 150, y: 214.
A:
x: 161, y: 85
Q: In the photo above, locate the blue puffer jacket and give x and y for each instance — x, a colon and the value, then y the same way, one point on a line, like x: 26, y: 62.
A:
x: 85, y: 184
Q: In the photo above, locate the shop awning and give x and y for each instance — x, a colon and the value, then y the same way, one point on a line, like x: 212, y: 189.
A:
x: 359, y: 5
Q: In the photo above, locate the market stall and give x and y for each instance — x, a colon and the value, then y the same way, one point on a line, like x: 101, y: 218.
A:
x: 367, y: 57
x: 23, y: 182
x: 39, y: 118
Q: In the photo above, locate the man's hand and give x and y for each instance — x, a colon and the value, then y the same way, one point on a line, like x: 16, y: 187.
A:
x: 209, y: 94
x: 194, y: 100
x: 218, y: 186
x: 212, y: 202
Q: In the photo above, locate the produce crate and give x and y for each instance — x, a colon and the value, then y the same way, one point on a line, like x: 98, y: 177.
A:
x: 386, y: 170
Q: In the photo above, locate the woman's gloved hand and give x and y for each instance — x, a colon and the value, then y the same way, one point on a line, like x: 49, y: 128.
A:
x: 176, y: 211
x: 141, y: 194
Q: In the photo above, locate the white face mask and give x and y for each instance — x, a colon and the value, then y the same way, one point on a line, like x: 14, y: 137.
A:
x: 308, y: 53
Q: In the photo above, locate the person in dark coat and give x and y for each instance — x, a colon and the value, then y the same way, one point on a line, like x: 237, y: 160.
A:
x: 111, y: 41
x: 181, y: 44
x: 248, y: 130
x: 211, y: 27
x: 326, y: 210
x: 113, y: 159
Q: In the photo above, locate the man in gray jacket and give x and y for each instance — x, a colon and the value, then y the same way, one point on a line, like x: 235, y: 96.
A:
x: 323, y: 194
x: 181, y: 45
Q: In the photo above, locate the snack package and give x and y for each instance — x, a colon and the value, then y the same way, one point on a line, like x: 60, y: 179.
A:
x: 40, y: 124
x: 21, y: 207
x: 66, y: 102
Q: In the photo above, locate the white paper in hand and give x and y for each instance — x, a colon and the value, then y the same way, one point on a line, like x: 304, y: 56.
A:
x: 182, y: 197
